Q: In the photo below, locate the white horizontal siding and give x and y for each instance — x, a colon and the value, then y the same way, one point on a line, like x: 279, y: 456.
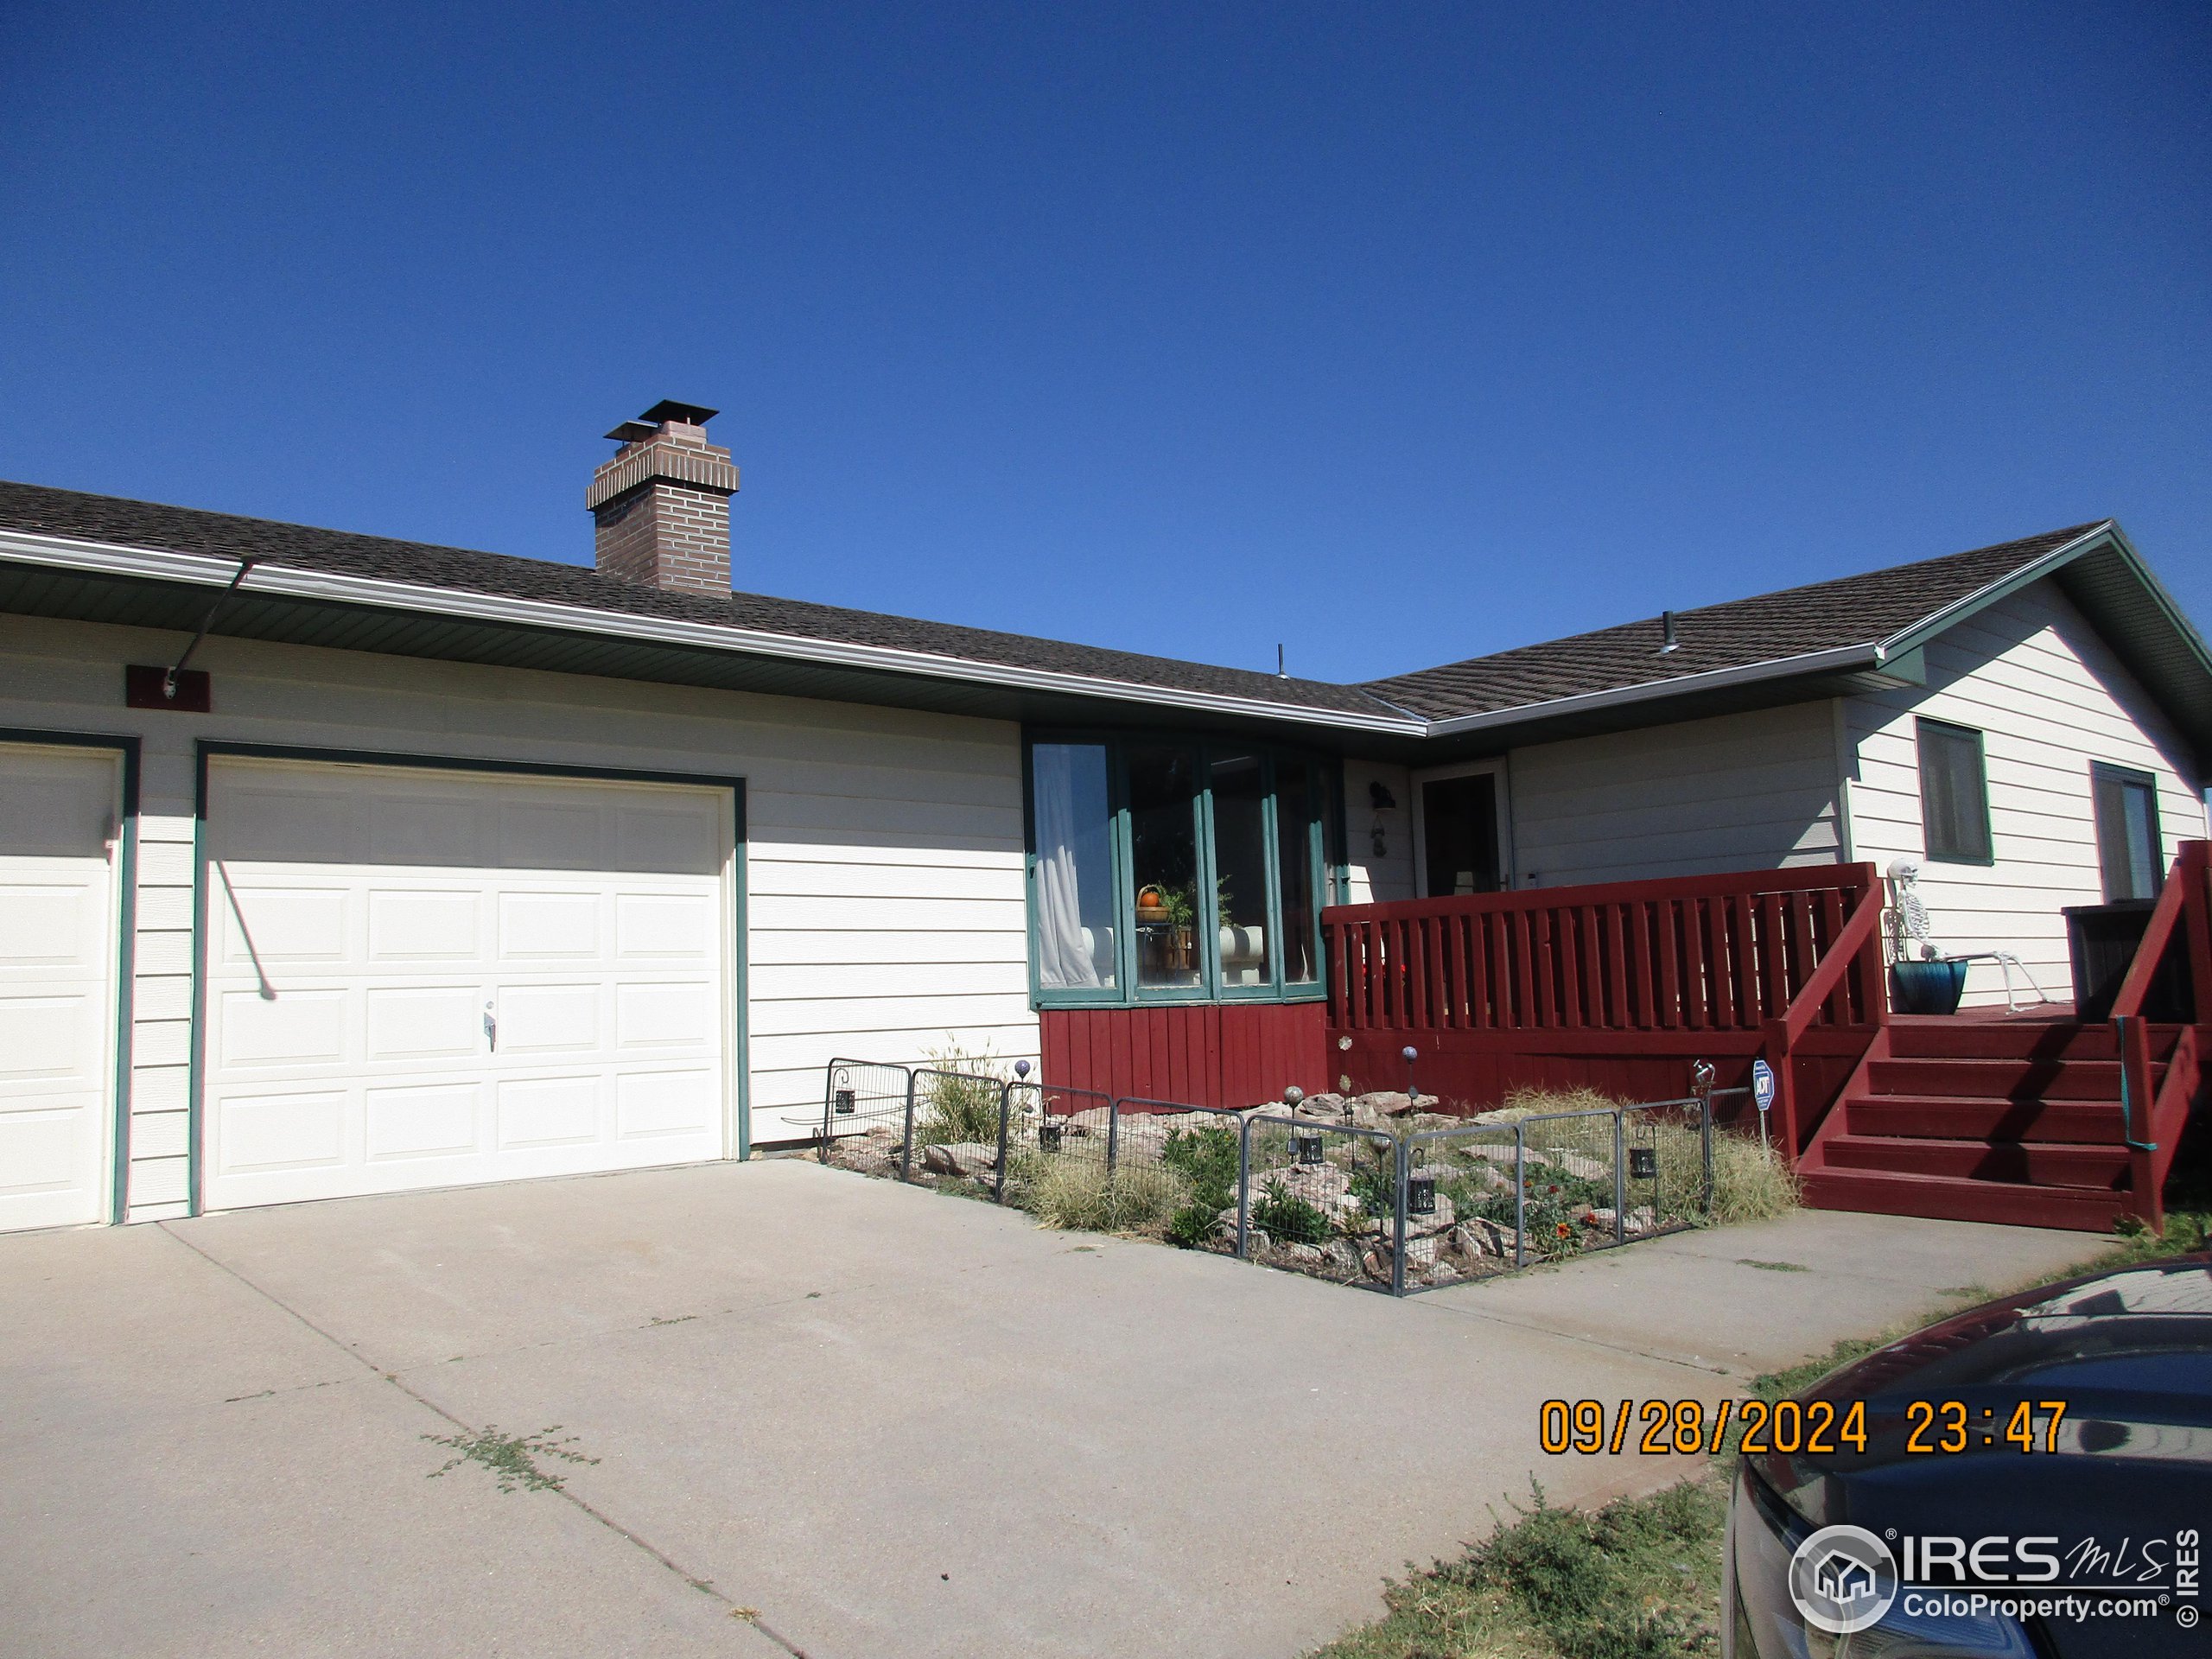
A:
x: 1736, y: 791
x: 2050, y: 698
x: 885, y: 902
x: 1375, y: 877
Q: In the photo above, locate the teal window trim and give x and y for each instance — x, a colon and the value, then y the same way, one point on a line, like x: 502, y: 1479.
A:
x: 1944, y: 731
x: 1324, y: 799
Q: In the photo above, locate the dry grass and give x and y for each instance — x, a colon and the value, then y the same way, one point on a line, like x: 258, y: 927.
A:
x: 961, y: 1107
x: 1750, y: 1181
x: 1076, y: 1194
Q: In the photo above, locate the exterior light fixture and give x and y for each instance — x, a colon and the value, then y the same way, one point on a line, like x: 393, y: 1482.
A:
x: 1421, y: 1195
x: 1307, y: 1148
x: 845, y: 1102
x: 1048, y: 1137
x: 1643, y: 1164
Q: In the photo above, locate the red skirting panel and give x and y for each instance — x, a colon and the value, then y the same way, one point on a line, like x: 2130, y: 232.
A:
x: 1200, y: 1054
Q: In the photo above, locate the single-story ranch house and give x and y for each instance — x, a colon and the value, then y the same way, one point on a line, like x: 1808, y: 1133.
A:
x: 332, y: 864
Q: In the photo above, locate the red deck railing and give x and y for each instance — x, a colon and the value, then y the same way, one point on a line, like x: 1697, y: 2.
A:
x: 1699, y: 953
x: 2182, y: 919
x: 1619, y: 986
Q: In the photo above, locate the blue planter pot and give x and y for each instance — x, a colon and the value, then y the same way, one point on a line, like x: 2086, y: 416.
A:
x: 1927, y: 987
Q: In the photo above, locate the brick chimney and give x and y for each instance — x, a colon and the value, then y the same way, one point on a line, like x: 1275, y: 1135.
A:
x: 662, y: 505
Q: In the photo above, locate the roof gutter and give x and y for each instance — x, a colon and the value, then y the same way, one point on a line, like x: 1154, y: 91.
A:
x: 278, y: 581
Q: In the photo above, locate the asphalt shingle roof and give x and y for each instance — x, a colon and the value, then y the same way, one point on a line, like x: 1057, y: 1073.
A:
x: 1825, y: 616
x: 1849, y: 611
x: 185, y: 529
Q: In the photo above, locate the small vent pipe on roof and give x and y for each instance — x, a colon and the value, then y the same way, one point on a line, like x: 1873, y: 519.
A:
x: 1667, y: 629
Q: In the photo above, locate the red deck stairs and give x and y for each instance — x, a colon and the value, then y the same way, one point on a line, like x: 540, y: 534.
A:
x: 1971, y: 1119
x: 2042, y: 1122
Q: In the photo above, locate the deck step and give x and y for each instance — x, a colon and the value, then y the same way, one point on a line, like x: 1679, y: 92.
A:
x: 1999, y: 1079
x: 1931, y: 1038
x: 2101, y: 1169
x: 2091, y: 1122
x: 1946, y: 1197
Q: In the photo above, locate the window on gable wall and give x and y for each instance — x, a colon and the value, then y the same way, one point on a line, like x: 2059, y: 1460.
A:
x: 2130, y: 856
x: 1172, y: 869
x: 1953, y: 794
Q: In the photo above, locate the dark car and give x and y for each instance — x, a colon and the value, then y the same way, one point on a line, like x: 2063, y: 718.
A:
x: 2032, y: 1478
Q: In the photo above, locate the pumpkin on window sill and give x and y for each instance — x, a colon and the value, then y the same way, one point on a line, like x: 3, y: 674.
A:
x: 1152, y: 905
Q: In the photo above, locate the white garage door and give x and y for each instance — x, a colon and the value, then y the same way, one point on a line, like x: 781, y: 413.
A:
x: 422, y: 978
x: 60, y: 814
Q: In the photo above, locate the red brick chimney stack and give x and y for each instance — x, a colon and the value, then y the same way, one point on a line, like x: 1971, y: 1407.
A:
x: 662, y: 505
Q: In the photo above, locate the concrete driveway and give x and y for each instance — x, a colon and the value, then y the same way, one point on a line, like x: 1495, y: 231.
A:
x: 829, y: 1415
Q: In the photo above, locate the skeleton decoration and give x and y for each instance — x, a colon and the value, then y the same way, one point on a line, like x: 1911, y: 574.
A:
x: 1908, y: 923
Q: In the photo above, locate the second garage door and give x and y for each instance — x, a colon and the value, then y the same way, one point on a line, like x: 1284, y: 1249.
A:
x: 422, y: 977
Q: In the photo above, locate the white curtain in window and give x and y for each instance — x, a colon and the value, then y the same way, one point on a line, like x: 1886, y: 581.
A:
x: 1063, y: 953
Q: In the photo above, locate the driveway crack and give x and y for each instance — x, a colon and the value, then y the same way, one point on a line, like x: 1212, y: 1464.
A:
x: 750, y: 1615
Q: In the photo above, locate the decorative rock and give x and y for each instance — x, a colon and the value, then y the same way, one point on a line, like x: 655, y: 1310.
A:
x: 1498, y: 1239
x: 1306, y: 1256
x: 1326, y: 1186
x: 1583, y: 1168
x: 1442, y: 1273
x: 1465, y: 1241
x: 1343, y: 1255
x: 970, y: 1160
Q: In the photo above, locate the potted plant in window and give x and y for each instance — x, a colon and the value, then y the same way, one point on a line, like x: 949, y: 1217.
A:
x: 1181, y: 909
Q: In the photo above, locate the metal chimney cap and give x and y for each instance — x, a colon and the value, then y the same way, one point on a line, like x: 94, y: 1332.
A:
x: 669, y: 410
x: 632, y: 431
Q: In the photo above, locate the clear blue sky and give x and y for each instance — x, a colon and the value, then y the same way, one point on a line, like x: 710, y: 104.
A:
x: 1394, y: 332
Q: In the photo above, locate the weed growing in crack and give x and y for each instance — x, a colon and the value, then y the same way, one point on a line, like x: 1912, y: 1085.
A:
x: 512, y: 1458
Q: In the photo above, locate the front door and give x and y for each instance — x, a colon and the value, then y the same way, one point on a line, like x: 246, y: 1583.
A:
x: 1459, y: 846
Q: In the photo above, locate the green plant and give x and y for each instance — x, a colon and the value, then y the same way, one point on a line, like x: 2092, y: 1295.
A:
x: 1286, y: 1219
x: 1206, y: 1157
x: 959, y: 1099
x: 512, y: 1459
x: 1638, y: 1578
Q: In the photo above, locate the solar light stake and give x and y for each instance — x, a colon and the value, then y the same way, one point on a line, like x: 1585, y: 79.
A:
x: 1293, y: 1096
x: 1307, y: 1146
x: 1021, y: 1069
x: 1409, y: 1054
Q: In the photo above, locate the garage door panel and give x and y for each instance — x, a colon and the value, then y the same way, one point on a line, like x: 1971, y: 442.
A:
x: 541, y: 836
x: 45, y: 926
x: 550, y: 1019
x: 424, y: 925
x: 423, y: 1022
x: 439, y: 1120
x: 665, y: 926
x: 425, y: 830
x: 665, y: 1014
x: 287, y: 1028
x: 294, y: 1130
x: 666, y: 842
x: 549, y: 1111
x: 548, y: 926
x: 650, y: 1104
x: 272, y: 924
x: 51, y: 1044
x: 604, y: 982
x: 59, y: 816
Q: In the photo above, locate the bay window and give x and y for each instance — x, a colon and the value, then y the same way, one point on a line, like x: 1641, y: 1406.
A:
x: 1173, y: 870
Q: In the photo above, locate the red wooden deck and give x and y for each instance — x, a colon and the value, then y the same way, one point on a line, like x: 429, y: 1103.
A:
x: 1203, y: 1053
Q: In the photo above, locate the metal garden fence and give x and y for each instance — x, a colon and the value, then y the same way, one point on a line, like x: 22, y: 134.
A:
x: 1389, y: 1207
